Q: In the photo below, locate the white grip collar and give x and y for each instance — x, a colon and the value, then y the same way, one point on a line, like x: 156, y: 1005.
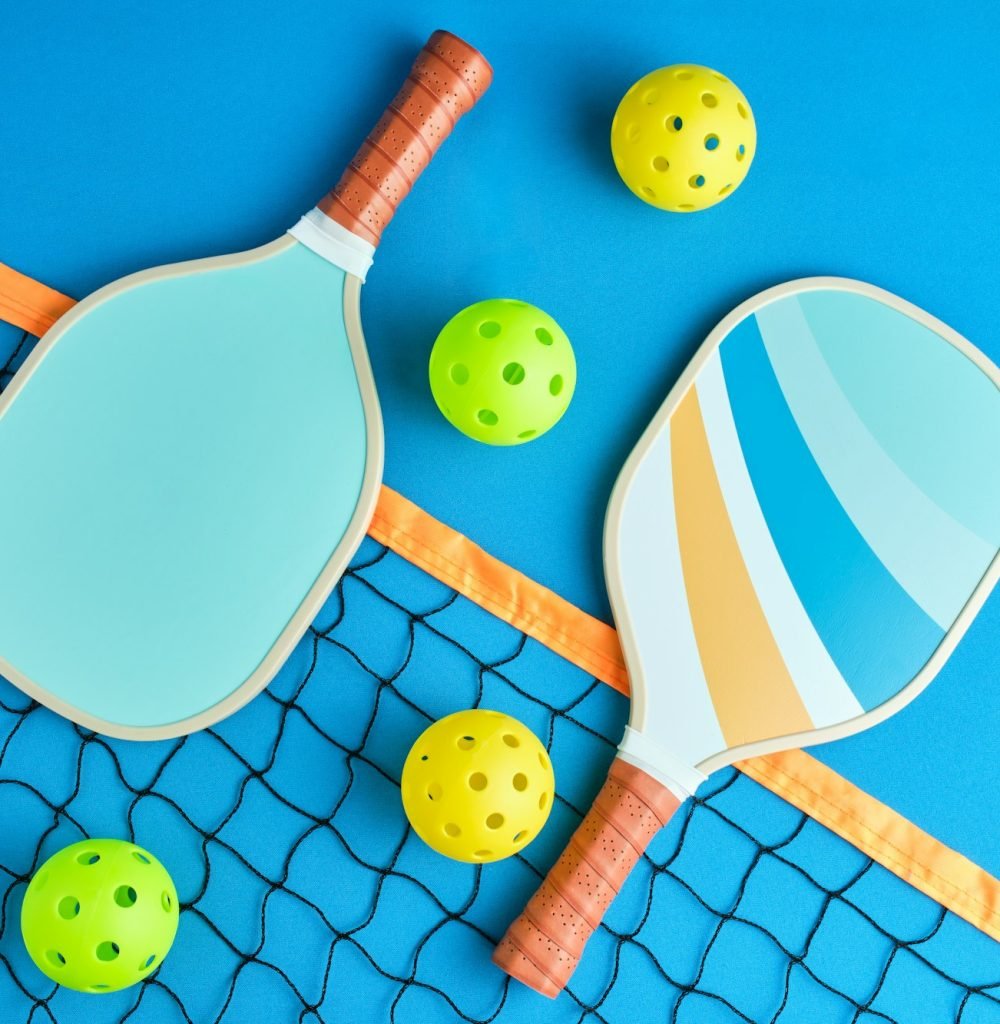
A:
x: 334, y: 243
x: 680, y: 778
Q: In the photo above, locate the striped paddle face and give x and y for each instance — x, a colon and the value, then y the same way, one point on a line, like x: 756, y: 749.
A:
x: 808, y: 525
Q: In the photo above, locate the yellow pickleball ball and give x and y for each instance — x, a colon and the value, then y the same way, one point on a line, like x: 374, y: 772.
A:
x: 477, y: 786
x: 683, y: 138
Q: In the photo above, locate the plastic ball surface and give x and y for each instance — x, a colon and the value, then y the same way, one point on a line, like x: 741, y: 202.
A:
x: 502, y: 371
x: 478, y: 786
x: 99, y: 915
x: 683, y: 138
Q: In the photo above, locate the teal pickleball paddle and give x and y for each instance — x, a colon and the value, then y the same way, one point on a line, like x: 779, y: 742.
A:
x: 192, y: 454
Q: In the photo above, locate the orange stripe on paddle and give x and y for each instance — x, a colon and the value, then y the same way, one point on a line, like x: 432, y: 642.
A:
x: 753, y: 693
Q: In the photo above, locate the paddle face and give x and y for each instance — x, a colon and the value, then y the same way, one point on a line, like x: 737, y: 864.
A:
x: 175, y: 530
x: 808, y: 525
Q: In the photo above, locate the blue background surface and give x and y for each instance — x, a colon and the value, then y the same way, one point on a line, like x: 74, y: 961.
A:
x: 138, y: 135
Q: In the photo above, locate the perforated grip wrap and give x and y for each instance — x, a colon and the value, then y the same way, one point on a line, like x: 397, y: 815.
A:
x: 445, y: 82
x: 543, y: 946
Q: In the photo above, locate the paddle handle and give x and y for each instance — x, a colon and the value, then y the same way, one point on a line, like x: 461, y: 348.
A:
x: 446, y: 80
x: 543, y: 946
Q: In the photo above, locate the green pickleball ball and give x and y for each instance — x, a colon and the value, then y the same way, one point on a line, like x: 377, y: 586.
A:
x: 99, y: 915
x: 502, y: 371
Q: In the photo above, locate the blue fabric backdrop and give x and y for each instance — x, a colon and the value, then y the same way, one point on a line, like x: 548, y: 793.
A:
x: 133, y: 135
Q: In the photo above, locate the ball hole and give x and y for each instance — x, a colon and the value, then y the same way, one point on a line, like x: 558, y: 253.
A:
x: 519, y: 837
x: 632, y: 133
x: 451, y: 829
x: 40, y: 881
x: 742, y: 111
x: 520, y: 782
x: 674, y: 124
x: 661, y: 164
x: 495, y: 821
x: 741, y: 151
x: 721, y: 78
x: 87, y: 858
x: 481, y: 854
x: 650, y: 96
x: 487, y: 417
x: 69, y: 907
x: 726, y: 189
x: 543, y: 761
x: 648, y: 192
x: 434, y: 791
x: 465, y: 742
x: 459, y: 373
x: 477, y: 781
x: 711, y: 142
x: 511, y: 740
x: 165, y: 901
x: 141, y: 857
x: 55, y: 958
x: 555, y: 385
x: 107, y: 951
x: 125, y: 896
x: 696, y: 180
x: 424, y: 757
x: 489, y: 329
x: 148, y: 962
x: 710, y: 99
x: 543, y: 801
x: 686, y: 207
x: 513, y: 373
x: 683, y: 76
x: 543, y: 335
x: 98, y: 988
x: 525, y: 434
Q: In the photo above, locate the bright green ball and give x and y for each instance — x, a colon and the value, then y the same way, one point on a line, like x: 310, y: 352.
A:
x: 99, y: 915
x: 502, y: 371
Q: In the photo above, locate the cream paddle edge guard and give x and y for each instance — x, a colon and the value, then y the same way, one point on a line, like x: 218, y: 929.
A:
x: 446, y: 80
x: 647, y: 782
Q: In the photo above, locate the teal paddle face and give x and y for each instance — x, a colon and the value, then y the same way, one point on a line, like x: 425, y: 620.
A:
x: 808, y: 525
x: 189, y: 450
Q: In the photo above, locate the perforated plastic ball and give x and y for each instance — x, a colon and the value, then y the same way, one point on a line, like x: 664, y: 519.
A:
x: 683, y: 138
x: 502, y: 371
x: 478, y: 786
x: 99, y: 915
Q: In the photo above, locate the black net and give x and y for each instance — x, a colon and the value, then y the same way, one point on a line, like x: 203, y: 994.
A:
x: 14, y: 346
x: 306, y: 897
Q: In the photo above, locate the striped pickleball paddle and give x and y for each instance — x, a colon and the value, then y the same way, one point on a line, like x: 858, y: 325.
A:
x: 793, y: 549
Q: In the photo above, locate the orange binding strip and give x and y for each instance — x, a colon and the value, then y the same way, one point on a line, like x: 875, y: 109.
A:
x: 897, y: 844
x: 533, y: 609
x: 890, y: 839
x: 29, y: 304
